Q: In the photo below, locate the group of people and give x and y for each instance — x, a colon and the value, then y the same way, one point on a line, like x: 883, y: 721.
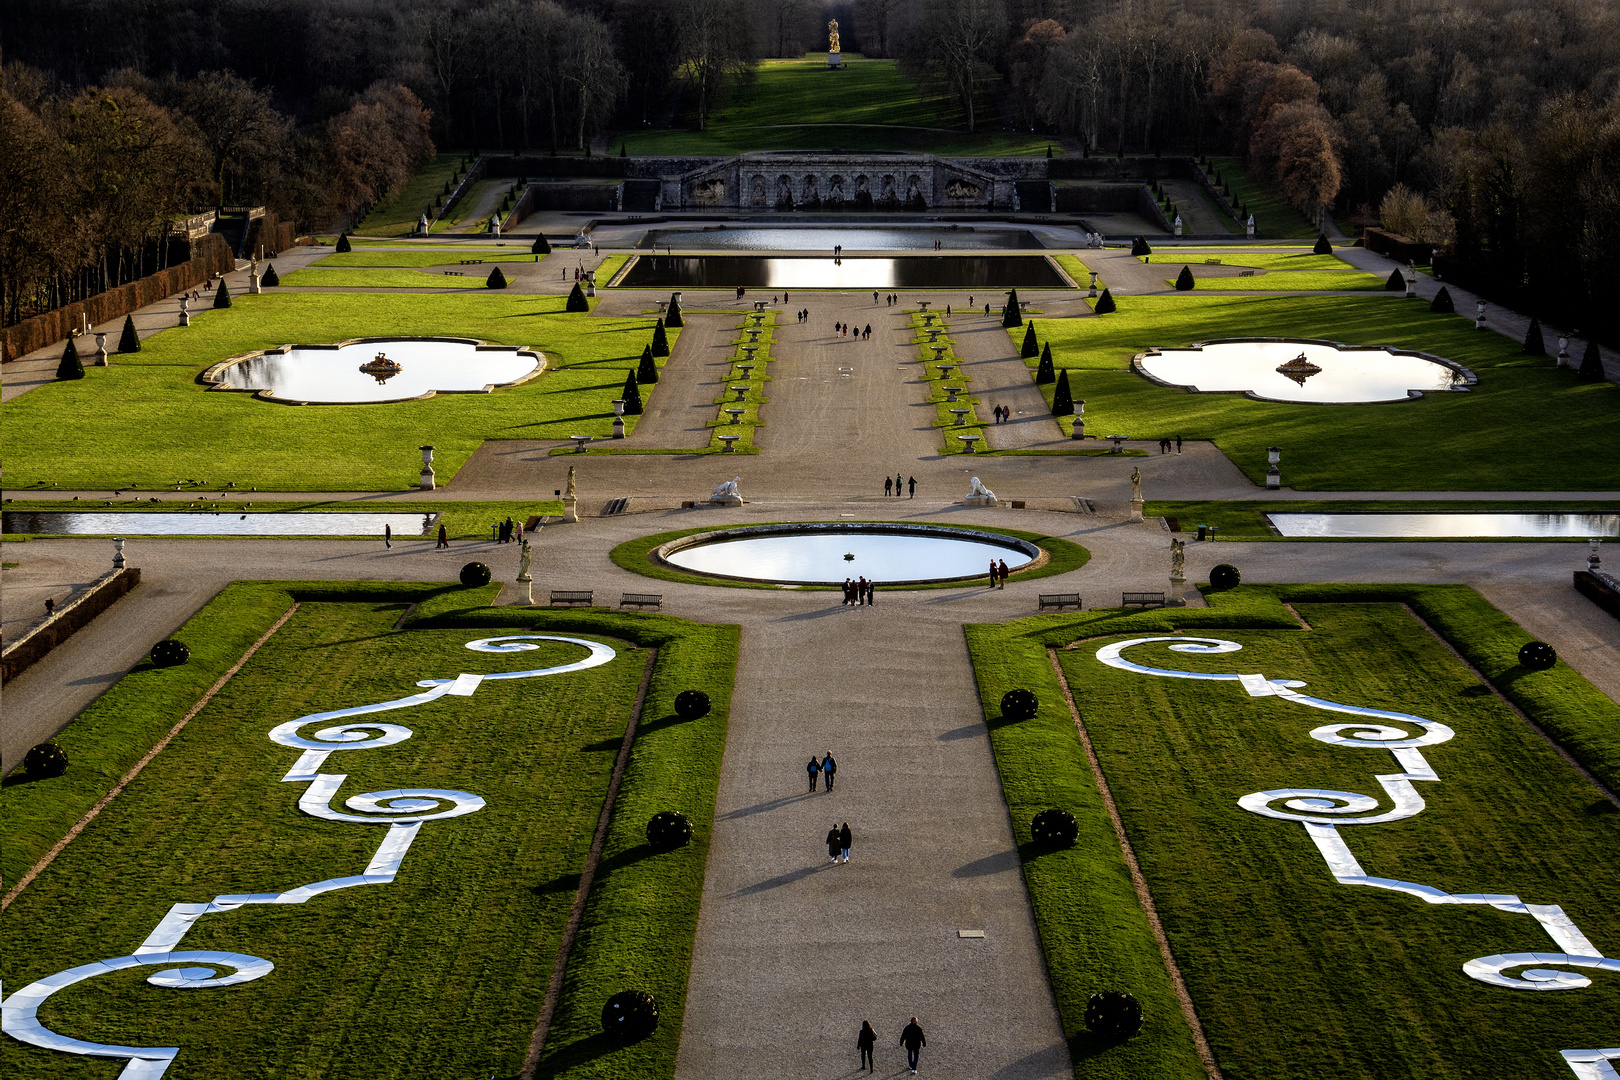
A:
x: 858, y: 592
x: 911, y: 1037
x: 892, y: 487
x: 1003, y: 414
x: 889, y: 299
x: 998, y: 573
x: 803, y: 314
x: 844, y: 329
x: 1164, y: 445
x: 506, y: 532
x: 826, y: 768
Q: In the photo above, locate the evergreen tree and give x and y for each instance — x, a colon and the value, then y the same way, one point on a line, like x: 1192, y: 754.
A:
x: 1396, y: 282
x: 576, y: 300
x: 1062, y: 400
x: 1105, y: 303
x: 222, y: 295
x: 343, y: 244
x: 673, y: 316
x: 496, y: 279
x: 1533, y: 343
x: 1441, y: 303
x: 1184, y: 280
x: 71, y: 366
x: 1031, y: 346
x: 660, y: 341
x: 129, y: 341
x: 1591, y: 363
x: 1139, y: 247
x: 648, y: 371
x: 631, y: 395
x: 1323, y: 246
x: 540, y: 246
x: 1043, y: 374
x: 271, y: 279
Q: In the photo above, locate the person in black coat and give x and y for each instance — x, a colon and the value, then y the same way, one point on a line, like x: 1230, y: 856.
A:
x: 814, y: 769
x: 832, y: 843
x: 844, y: 840
x: 829, y: 769
x: 866, y: 1041
x: 913, y: 1040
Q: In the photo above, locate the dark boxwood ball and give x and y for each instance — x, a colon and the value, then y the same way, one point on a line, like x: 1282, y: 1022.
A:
x: 170, y: 653
x: 474, y: 574
x: 668, y: 830
x: 691, y: 704
x: 1054, y: 828
x: 46, y: 759
x: 1225, y: 576
x: 629, y: 1015
x: 1019, y: 704
x: 1113, y: 1015
x: 1537, y: 655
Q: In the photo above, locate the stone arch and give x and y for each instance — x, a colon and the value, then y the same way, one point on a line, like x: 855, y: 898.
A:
x: 784, y: 192
x: 756, y: 191
x: 914, y: 192
x: 810, y: 191
x: 888, y: 196
x: 835, y: 189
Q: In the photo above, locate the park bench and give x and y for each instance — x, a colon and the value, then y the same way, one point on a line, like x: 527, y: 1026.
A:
x: 570, y: 596
x: 642, y: 599
x: 1142, y: 599
x: 1059, y: 600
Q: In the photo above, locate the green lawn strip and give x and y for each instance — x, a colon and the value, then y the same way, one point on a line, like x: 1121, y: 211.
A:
x: 609, y: 266
x: 1247, y: 521
x: 1274, y: 216
x: 754, y: 398
x: 1093, y: 931
x: 399, y: 214
x: 1063, y: 556
x: 380, y: 278
x: 1078, y: 271
x: 1251, y: 259
x: 418, y: 256
x: 1480, y: 440
x: 935, y: 383
x: 641, y: 918
x: 459, y: 946
x: 1298, y: 281
x: 1292, y: 973
x: 463, y: 207
x: 167, y: 425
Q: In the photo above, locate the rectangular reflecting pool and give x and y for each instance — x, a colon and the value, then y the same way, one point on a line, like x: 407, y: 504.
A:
x: 1460, y: 526
x: 805, y: 272
x: 825, y: 238
x: 226, y: 522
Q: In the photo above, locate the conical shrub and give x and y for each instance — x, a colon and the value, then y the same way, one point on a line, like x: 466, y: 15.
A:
x: 71, y: 366
x: 576, y: 300
x: 1044, y: 373
x: 222, y: 295
x: 343, y: 244
x: 1105, y: 304
x: 1031, y: 347
x: 631, y: 395
x: 1591, y: 363
x: 271, y: 279
x: 1534, y: 345
x: 129, y: 340
x: 673, y: 316
x: 648, y: 371
x: 1184, y: 280
x: 1323, y: 245
x: 1010, y: 315
x: 540, y: 246
x: 496, y: 279
x: 660, y: 341
x: 1139, y: 247
x: 1396, y: 282
x: 1062, y: 399
x: 1441, y: 304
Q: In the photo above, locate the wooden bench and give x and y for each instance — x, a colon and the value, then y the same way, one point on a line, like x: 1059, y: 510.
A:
x: 1142, y: 599
x: 1059, y: 600
x: 642, y: 599
x: 570, y: 596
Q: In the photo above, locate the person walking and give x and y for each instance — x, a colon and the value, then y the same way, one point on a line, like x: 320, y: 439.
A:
x: 888, y: 486
x: 844, y: 838
x: 913, y: 1039
x: 814, y: 769
x: 897, y: 483
x: 829, y: 769
x: 444, y: 542
x: 995, y: 572
x: 1178, y: 444
x: 865, y: 1042
x: 832, y: 845
x: 1002, y: 572
x: 388, y: 535
x: 871, y: 588
x: 912, y: 487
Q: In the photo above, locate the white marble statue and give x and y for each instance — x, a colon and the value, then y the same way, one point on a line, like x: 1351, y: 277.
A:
x: 1178, y: 559
x: 728, y: 490
x: 1136, y: 485
x: 568, y: 492
x: 524, y: 555
x: 977, y: 488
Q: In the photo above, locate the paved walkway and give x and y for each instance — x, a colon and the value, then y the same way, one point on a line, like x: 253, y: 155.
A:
x: 1000, y: 377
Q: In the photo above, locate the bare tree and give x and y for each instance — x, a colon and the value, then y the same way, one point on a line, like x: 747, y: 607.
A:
x: 710, y: 48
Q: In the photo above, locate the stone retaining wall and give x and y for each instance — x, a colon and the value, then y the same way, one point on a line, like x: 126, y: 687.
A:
x: 74, y: 616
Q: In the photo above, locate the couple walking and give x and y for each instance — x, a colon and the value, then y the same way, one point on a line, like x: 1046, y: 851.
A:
x: 838, y: 840
x: 1164, y: 445
x: 859, y: 592
x: 827, y: 768
x: 911, y: 1038
x: 998, y: 573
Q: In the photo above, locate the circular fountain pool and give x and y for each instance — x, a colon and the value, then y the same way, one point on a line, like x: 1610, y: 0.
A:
x: 826, y: 553
x: 374, y: 370
x: 1303, y: 370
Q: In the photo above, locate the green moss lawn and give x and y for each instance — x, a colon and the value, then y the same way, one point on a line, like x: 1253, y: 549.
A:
x: 1276, y: 281
x: 145, y: 420
x: 398, y: 214
x: 1499, y: 436
x: 1274, y: 216
x: 381, y: 278
x: 400, y: 255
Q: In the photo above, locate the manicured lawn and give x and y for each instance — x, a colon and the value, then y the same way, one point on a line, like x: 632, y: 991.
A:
x: 418, y: 256
x: 1274, y: 281
x: 1274, y: 216
x: 440, y: 971
x: 381, y: 278
x: 1480, y: 440
x: 1292, y: 973
x: 943, y: 417
x: 164, y: 425
x: 1246, y: 520
x: 398, y: 215
x: 869, y: 105
x: 754, y: 398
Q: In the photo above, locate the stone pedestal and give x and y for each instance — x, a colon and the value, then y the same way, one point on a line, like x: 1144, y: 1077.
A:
x: 185, y: 311
x: 253, y: 285
x: 979, y: 500
x: 1176, y: 596
x: 427, y: 468
x: 1273, y: 479
x: 725, y: 500
x: 618, y: 427
x: 100, y: 359
x: 570, y: 509
x: 1136, y: 510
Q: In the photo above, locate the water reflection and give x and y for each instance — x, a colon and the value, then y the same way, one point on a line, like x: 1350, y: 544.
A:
x: 807, y: 559
x: 825, y: 239
x: 907, y: 272
x: 349, y: 374
x: 222, y: 522
x: 1447, y: 525
x: 1273, y: 370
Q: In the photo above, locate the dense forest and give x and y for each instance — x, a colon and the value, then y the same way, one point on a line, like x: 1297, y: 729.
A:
x: 1490, y: 128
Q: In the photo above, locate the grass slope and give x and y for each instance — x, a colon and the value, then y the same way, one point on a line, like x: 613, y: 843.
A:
x: 1449, y: 441
x: 398, y: 214
x: 165, y: 425
x: 1274, y: 216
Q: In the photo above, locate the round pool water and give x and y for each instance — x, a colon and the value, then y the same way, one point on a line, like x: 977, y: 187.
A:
x: 826, y: 553
x: 1342, y: 375
x: 408, y: 368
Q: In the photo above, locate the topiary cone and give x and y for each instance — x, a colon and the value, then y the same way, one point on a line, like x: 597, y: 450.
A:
x: 631, y: 395
x: 1139, y: 247
x: 496, y: 279
x: 660, y: 341
x: 540, y: 246
x: 129, y: 341
x: 1031, y: 347
x: 1534, y: 343
x: 1323, y: 245
x: 1591, y: 363
x: 1044, y: 373
x: 576, y: 300
x: 271, y: 279
x: 1396, y: 282
x: 1062, y: 399
x: 71, y: 366
x: 1441, y: 304
x: 222, y: 295
x: 1184, y: 280
x: 647, y: 372
x: 1105, y: 304
x: 673, y: 316
x: 343, y: 244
